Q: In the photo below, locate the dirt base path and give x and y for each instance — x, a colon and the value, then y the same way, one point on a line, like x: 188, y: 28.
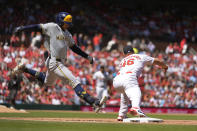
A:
x: 4, y: 109
x: 95, y: 120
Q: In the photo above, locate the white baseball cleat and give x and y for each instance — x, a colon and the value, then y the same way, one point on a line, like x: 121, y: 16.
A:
x: 137, y: 112
x: 102, y: 101
x: 19, y: 68
x: 120, y: 118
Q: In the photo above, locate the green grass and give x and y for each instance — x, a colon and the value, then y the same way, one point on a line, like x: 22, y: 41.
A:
x: 21, y: 125
x: 174, y: 117
x: 59, y: 114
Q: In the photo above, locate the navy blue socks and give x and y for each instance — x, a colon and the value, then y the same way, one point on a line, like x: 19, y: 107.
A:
x: 38, y: 75
x: 83, y: 94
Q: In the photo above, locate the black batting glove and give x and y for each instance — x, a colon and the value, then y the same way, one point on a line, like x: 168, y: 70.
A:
x: 91, y: 59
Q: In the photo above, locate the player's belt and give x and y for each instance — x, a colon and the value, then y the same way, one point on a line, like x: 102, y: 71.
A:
x: 125, y: 72
x: 56, y: 59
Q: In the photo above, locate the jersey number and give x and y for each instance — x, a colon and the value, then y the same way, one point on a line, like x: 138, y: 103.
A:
x: 128, y: 62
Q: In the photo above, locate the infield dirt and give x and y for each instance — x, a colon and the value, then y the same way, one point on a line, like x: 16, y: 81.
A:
x: 4, y: 109
x: 100, y: 120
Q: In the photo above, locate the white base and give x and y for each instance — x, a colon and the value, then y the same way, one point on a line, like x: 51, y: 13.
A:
x: 142, y: 120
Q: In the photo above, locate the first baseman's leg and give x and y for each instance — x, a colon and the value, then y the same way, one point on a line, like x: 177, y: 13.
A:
x: 134, y: 95
x: 124, y: 101
x: 118, y: 84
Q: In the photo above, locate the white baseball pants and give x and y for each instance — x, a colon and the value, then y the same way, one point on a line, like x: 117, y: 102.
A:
x: 101, y: 92
x: 128, y: 86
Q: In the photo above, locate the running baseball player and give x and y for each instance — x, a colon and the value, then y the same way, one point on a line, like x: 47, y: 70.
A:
x: 59, y: 39
x: 100, y: 80
x: 126, y: 81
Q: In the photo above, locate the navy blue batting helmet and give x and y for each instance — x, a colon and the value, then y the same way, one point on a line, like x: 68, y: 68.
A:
x: 64, y: 17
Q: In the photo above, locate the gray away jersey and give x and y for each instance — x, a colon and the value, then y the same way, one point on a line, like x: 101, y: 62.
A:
x: 58, y: 40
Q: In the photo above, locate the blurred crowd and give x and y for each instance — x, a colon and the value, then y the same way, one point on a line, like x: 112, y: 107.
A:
x: 102, y: 30
x: 176, y: 88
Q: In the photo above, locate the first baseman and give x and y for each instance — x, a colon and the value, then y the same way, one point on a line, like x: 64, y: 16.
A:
x: 59, y: 39
x: 126, y: 81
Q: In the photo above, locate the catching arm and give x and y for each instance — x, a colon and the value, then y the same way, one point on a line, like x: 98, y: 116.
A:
x: 78, y: 51
x: 160, y: 64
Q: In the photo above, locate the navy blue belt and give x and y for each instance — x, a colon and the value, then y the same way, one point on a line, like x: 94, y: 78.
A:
x: 56, y: 59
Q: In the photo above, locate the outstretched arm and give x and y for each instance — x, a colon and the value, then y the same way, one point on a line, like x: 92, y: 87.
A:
x: 78, y: 51
x: 160, y: 64
x: 36, y: 27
